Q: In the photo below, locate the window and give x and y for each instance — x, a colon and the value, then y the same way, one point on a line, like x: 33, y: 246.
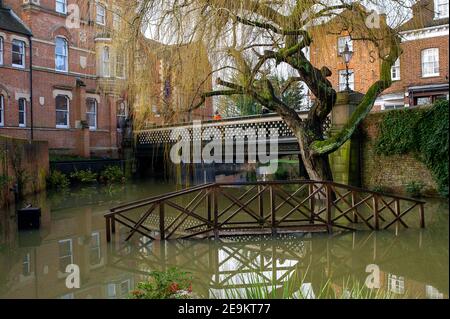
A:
x: 120, y: 66
x: 116, y: 20
x: 430, y: 62
x: 121, y: 114
x: 95, y: 249
x: 101, y: 14
x: 396, y: 284
x: 125, y: 287
x: 425, y: 100
x: 26, y: 265
x: 62, y: 111
x: 111, y: 290
x: 440, y: 9
x: 395, y: 70
x: 22, y: 112
x: 1, y: 50
x: 61, y: 56
x: 18, y: 54
x: 65, y: 254
x: 91, y: 113
x: 61, y: 6
x: 342, y: 80
x: 106, y: 64
x: 2, y: 110
x: 341, y: 44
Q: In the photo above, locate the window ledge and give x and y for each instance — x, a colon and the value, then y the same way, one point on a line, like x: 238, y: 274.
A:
x: 63, y: 126
x: 431, y: 75
x: 22, y: 67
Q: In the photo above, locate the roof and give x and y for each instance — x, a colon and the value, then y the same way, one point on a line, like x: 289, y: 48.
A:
x: 9, y: 21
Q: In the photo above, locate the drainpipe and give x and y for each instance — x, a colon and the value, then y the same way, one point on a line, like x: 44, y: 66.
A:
x: 31, y: 89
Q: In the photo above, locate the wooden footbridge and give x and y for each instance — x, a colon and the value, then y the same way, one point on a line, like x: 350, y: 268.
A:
x: 254, y: 208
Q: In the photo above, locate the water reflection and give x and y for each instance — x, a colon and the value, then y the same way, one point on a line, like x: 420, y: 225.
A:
x: 32, y: 264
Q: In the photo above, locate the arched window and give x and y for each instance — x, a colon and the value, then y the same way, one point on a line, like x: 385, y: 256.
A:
x: 2, y: 110
x: 62, y: 111
x: 91, y: 113
x: 106, y: 62
x: 61, y: 54
x: 22, y: 112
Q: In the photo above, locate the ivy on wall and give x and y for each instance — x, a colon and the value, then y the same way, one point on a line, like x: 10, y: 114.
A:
x: 422, y: 132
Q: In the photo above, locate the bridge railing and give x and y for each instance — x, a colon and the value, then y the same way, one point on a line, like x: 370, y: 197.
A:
x: 231, y: 209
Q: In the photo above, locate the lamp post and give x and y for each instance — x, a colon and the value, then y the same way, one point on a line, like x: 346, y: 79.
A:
x: 347, y: 55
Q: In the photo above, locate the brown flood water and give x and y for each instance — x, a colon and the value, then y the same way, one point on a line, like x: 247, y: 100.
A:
x: 412, y: 264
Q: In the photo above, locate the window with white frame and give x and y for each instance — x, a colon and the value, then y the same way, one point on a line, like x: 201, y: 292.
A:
x: 65, y: 254
x: 100, y: 14
x: 106, y: 62
x: 111, y: 290
x: 61, y: 6
x: 441, y: 9
x: 430, y: 62
x: 91, y: 113
x: 395, y: 70
x: 116, y: 20
x: 18, y: 54
x: 1, y: 50
x: 61, y: 55
x: 95, y: 249
x: 62, y: 111
x: 342, y: 80
x: 22, y: 112
x: 342, y: 41
x: 2, y: 110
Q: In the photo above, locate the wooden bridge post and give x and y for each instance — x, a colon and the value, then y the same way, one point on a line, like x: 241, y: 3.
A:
x: 272, y: 211
x: 311, y: 203
x: 376, y: 213
x: 113, y: 225
x: 329, y: 200
x: 108, y: 229
x: 355, y: 215
x: 261, y: 204
x: 422, y: 215
x: 162, y: 234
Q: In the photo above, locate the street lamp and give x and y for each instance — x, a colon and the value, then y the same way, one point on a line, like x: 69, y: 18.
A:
x: 347, y: 55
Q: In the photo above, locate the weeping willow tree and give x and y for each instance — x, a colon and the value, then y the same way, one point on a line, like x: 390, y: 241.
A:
x: 248, y: 41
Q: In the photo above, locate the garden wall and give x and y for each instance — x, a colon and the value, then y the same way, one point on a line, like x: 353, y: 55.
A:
x: 23, y: 163
x: 391, y: 173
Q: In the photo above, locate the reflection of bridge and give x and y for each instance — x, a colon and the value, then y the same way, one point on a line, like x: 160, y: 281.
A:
x: 222, y: 268
x: 149, y: 140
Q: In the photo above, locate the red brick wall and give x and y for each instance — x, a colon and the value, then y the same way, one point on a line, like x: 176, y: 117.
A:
x: 390, y: 172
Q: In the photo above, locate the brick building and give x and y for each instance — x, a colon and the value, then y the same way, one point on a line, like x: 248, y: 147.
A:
x: 421, y: 74
x: 71, y: 96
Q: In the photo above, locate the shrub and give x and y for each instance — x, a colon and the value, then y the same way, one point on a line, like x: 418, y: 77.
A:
x: 414, y: 189
x: 56, y: 179
x: 164, y: 285
x: 84, y: 177
x: 113, y: 174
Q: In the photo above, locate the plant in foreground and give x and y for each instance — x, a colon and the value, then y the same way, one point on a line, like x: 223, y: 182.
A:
x: 172, y: 284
